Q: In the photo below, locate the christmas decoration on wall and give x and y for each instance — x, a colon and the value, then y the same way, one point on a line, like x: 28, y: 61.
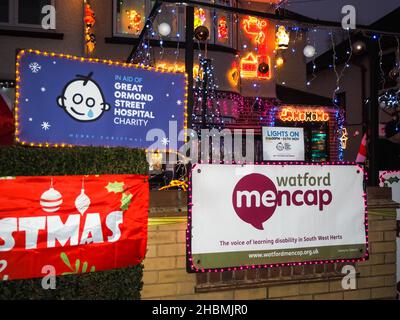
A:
x: 344, y: 137
x: 201, y: 33
x: 282, y: 38
x: 263, y: 68
x: 164, y: 29
x: 303, y: 115
x: 199, y: 17
x: 222, y: 28
x: 256, y: 65
x: 309, y: 51
x: 233, y: 75
x: 89, y: 21
x: 256, y: 28
x: 249, y: 66
x: 134, y: 21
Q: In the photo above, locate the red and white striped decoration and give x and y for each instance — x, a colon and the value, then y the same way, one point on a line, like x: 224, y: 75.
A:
x: 362, y: 152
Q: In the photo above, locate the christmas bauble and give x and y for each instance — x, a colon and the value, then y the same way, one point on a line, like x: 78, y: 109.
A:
x: 51, y: 201
x: 309, y: 51
x: 201, y: 33
x: 164, y: 29
x: 82, y: 202
x: 263, y: 68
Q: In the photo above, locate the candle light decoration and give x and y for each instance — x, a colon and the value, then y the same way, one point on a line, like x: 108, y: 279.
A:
x: 223, y: 30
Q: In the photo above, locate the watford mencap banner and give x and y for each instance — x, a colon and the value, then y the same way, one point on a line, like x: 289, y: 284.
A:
x: 76, y: 224
x: 89, y: 102
x: 273, y: 214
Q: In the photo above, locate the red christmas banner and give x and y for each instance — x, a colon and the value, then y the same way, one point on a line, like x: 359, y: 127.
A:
x: 76, y: 224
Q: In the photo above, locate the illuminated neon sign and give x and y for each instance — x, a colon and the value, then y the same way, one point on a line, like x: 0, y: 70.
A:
x: 222, y: 28
x: 303, y: 115
x: 258, y: 65
x: 256, y: 29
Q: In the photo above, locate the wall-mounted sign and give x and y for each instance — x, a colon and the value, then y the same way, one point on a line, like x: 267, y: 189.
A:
x: 76, y: 224
x: 263, y: 215
x: 303, y: 115
x: 65, y: 100
x: 281, y: 143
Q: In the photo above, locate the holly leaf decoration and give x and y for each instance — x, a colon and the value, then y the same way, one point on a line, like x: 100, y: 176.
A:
x: 116, y: 187
x: 126, y: 201
x: 65, y: 259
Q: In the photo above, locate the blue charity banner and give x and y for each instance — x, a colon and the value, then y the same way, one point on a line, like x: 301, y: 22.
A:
x: 66, y: 100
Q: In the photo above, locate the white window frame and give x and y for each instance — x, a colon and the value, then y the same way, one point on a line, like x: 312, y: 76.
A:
x: 13, y: 18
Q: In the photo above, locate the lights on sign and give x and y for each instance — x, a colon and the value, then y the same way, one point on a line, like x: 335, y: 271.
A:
x: 303, y: 115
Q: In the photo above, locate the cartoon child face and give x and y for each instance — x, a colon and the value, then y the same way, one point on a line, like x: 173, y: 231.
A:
x: 83, y: 99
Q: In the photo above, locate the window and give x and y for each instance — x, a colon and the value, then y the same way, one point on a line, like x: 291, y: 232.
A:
x: 23, y: 13
x: 174, y: 16
x: 4, y: 11
x: 130, y: 17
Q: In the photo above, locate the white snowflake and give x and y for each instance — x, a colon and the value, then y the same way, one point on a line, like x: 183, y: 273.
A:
x: 165, y: 141
x: 43, y: 89
x: 35, y: 67
x: 167, y: 95
x: 45, y: 126
x: 179, y: 102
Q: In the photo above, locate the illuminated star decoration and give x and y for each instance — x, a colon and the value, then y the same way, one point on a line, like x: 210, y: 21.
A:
x: 45, y: 126
x: 344, y: 138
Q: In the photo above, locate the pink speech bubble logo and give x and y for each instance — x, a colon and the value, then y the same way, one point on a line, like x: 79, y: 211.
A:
x: 254, y: 199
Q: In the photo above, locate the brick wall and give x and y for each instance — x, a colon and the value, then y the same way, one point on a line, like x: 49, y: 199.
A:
x: 165, y: 275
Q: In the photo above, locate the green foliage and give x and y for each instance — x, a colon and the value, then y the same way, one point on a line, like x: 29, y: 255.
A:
x: 121, y: 284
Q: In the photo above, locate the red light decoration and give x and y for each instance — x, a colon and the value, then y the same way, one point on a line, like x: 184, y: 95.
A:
x: 90, y: 37
x: 256, y: 29
x: 303, y: 115
x: 222, y: 28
